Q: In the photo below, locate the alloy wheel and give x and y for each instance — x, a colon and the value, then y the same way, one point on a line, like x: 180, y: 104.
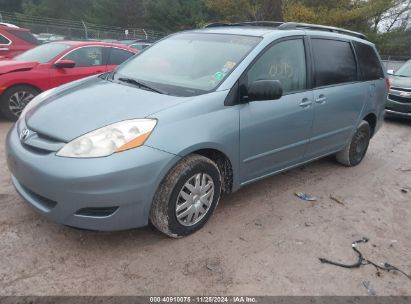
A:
x: 18, y: 101
x: 195, y: 199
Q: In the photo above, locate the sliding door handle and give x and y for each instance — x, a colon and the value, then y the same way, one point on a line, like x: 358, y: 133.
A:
x: 306, y: 103
x: 321, y: 99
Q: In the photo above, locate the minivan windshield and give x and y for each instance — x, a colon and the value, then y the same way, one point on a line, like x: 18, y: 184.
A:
x: 405, y: 70
x: 188, y: 64
x: 43, y: 53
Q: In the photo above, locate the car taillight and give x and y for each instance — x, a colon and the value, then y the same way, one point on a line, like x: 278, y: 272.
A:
x: 388, y: 82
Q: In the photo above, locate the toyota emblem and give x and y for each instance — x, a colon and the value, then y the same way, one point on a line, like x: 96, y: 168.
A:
x: 24, y: 134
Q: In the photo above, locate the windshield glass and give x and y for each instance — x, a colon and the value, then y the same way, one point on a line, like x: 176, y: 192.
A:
x: 405, y: 70
x: 43, y: 53
x: 189, y: 64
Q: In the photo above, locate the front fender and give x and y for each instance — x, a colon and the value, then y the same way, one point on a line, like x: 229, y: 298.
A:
x: 201, y: 123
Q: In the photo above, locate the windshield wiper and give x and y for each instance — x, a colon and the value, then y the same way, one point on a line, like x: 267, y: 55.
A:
x: 141, y: 84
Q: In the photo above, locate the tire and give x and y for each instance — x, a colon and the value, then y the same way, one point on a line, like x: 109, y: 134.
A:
x: 354, y: 153
x: 15, y: 99
x: 177, y: 197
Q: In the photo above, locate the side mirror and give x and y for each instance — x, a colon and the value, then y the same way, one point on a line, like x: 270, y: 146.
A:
x: 65, y: 64
x: 391, y: 72
x: 265, y: 90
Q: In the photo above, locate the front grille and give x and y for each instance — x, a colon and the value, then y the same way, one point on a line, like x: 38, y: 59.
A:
x: 399, y: 98
x: 401, y: 89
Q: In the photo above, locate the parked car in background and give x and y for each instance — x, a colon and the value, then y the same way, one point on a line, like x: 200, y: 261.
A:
x: 14, y: 41
x: 137, y: 44
x: 399, y: 97
x: 51, y: 65
x: 197, y: 114
x: 8, y: 24
x: 46, y: 37
x: 140, y: 45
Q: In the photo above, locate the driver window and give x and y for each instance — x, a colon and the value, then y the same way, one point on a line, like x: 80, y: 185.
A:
x: 86, y: 56
x: 284, y: 61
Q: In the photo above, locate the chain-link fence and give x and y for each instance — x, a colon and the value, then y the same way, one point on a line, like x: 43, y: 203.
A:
x: 394, y: 62
x: 77, y: 30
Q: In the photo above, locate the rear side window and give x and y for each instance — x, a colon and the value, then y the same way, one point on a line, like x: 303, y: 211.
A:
x: 118, y: 56
x: 369, y: 63
x: 26, y: 36
x: 334, y: 62
x: 4, y: 40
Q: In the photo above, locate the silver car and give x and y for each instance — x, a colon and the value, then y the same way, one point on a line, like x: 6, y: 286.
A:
x: 198, y: 114
x: 399, y: 97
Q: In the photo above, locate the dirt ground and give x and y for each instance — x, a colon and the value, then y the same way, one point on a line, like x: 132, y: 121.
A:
x: 262, y: 240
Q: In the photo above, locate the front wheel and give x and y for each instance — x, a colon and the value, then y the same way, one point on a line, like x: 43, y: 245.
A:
x: 15, y: 99
x: 355, y: 151
x: 187, y: 197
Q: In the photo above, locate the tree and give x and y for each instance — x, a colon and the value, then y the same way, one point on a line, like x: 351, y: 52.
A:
x: 62, y: 9
x: 384, y: 21
x: 247, y: 10
x: 343, y: 13
x: 365, y: 15
x: 389, y: 14
x: 11, y: 6
x: 174, y: 15
x: 121, y: 13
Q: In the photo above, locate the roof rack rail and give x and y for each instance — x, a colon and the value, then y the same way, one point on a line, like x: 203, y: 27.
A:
x: 296, y: 25
x: 217, y: 24
x: 248, y: 23
x: 291, y: 26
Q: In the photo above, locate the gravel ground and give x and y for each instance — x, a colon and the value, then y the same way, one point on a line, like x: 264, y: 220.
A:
x: 262, y: 240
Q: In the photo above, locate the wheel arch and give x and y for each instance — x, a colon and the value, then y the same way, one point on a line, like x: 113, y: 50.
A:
x: 222, y: 158
x: 223, y: 163
x: 22, y: 84
x: 371, y: 118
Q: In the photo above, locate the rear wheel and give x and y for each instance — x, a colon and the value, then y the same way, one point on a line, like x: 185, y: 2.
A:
x: 354, y: 153
x: 187, y: 197
x: 15, y: 99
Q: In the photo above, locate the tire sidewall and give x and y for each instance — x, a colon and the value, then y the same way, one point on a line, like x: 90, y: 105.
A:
x: 199, y: 167
x: 363, y: 127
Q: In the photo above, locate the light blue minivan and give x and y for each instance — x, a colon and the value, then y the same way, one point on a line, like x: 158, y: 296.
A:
x: 198, y: 114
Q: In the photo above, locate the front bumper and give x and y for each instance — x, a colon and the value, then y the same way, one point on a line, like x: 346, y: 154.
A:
x: 401, y: 107
x: 103, y: 194
x: 391, y: 113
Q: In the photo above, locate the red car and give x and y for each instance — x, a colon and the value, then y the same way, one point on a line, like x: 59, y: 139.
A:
x: 50, y: 65
x: 15, y: 40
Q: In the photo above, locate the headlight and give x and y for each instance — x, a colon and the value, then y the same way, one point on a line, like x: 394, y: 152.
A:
x: 35, y: 101
x: 112, y: 139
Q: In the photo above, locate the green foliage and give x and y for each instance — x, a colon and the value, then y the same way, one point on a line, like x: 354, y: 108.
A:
x: 172, y: 15
x: 395, y: 43
x: 11, y: 5
x: 57, y: 8
x: 122, y: 13
x: 247, y: 10
x: 385, y: 21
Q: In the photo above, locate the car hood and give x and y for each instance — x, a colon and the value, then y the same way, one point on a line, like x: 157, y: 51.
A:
x: 9, y: 66
x: 92, y: 104
x: 400, y: 82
